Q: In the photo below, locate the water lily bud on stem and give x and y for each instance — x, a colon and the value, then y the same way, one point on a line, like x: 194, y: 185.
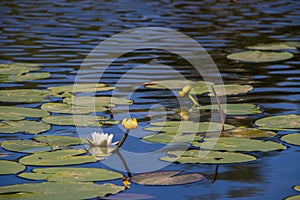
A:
x: 186, y: 89
x: 130, y: 123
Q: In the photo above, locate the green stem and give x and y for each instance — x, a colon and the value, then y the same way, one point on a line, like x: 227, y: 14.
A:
x: 193, y: 100
x: 123, y: 138
x: 220, y: 110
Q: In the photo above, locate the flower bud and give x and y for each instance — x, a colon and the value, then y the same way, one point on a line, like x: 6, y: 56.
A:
x: 130, y: 123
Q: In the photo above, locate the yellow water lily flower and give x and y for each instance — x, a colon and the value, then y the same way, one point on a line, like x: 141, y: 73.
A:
x: 130, y: 123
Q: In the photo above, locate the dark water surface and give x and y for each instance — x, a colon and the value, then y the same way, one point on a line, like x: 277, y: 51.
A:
x: 59, y: 34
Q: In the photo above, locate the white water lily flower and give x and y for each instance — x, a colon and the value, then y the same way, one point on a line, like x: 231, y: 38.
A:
x: 101, y: 139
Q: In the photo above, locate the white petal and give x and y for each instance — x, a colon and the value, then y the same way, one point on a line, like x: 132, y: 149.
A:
x: 109, y: 139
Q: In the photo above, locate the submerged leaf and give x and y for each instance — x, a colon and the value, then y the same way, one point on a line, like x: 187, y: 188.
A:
x: 10, y: 167
x: 58, y: 190
x: 167, y: 178
x: 30, y: 127
x: 238, y: 144
x: 260, y: 56
x: 280, y: 122
x: 57, y: 158
x: 71, y: 174
x: 207, y: 157
x: 292, y: 138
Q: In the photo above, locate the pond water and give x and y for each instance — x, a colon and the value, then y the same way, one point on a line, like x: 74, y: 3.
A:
x: 60, y: 34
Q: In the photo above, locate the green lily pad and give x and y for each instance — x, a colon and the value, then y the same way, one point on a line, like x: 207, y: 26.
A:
x: 10, y: 167
x: 24, y: 146
x: 234, y: 109
x: 70, y: 109
x: 58, y: 191
x: 17, y: 68
x: 207, y: 157
x: 166, y: 178
x: 81, y: 87
x: 59, y: 141
x: 260, y: 56
x: 23, y: 95
x: 250, y: 133
x: 68, y: 120
x: 171, y: 137
x: 71, y: 174
x: 292, y: 138
x: 57, y: 158
x: 231, y: 89
x: 29, y: 127
x: 99, y: 101
x: 27, y: 77
x: 174, y: 127
x: 19, y: 113
x: 276, y: 46
x: 239, y: 144
x: 281, y: 122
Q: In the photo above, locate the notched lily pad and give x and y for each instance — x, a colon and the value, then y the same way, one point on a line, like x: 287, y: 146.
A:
x: 29, y: 127
x: 238, y: 144
x: 207, y: 157
x: 58, y: 190
x: 174, y: 127
x: 260, y: 56
x: 292, y: 138
x: 23, y: 95
x: 234, y: 109
x: 71, y: 174
x: 276, y: 46
x: 250, y: 133
x: 102, y: 101
x: 80, y: 88
x: 75, y: 120
x: 57, y: 158
x: 10, y: 167
x: 171, y: 138
x: 24, y: 146
x: 58, y: 141
x: 167, y: 178
x: 19, y: 113
x: 280, y: 122
x: 71, y: 109
x: 231, y: 89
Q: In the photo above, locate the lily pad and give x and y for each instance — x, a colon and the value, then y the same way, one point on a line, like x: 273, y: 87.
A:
x: 171, y: 137
x: 19, y: 113
x: 29, y: 127
x: 58, y: 190
x: 281, y: 122
x: 295, y: 197
x: 231, y: 89
x: 10, y: 167
x: 167, y: 178
x: 250, y: 133
x: 292, y: 138
x: 260, y: 56
x: 71, y: 174
x: 174, y: 127
x: 68, y: 120
x: 70, y: 109
x: 24, y: 146
x: 234, y: 109
x: 276, y: 46
x: 81, y: 87
x: 239, y: 144
x: 26, y: 77
x: 57, y: 158
x: 207, y: 157
x: 99, y: 101
x: 23, y: 95
x: 58, y: 141
x: 17, y: 68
